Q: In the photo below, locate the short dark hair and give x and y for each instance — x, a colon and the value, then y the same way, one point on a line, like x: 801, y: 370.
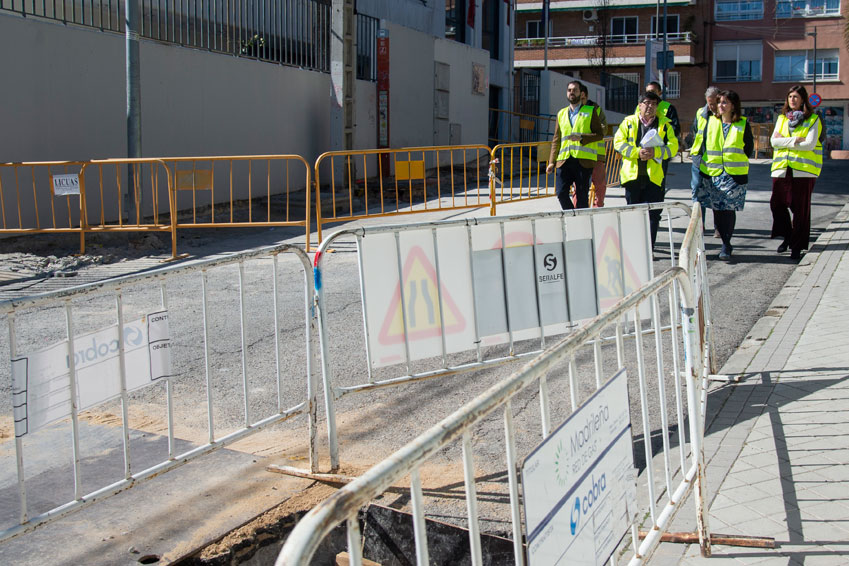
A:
x: 584, y: 89
x: 648, y: 95
x: 734, y: 99
x: 581, y: 86
x: 807, y: 109
x: 655, y: 84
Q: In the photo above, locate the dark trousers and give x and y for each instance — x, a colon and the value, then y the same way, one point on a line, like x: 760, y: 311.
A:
x: 725, y: 220
x: 665, y: 165
x: 793, y: 193
x: 642, y: 190
x: 572, y: 172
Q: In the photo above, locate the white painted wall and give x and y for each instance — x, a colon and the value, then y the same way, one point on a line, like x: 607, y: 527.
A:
x: 469, y: 110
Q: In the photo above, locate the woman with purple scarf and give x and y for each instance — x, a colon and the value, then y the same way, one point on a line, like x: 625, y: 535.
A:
x: 796, y: 164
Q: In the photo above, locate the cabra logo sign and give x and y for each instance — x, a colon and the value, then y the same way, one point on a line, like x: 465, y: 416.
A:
x: 583, y: 505
x: 90, y: 352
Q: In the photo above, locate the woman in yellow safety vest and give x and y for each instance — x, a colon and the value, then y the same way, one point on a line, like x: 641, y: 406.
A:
x: 724, y: 169
x: 796, y: 164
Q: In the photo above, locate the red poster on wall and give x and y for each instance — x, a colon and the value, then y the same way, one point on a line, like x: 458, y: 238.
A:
x: 383, y: 97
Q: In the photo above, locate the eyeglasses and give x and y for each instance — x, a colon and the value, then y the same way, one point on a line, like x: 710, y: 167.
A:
x: 649, y: 102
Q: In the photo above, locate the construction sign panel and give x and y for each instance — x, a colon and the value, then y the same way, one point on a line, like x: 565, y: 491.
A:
x: 622, y: 256
x: 579, y: 484
x: 433, y: 308
x: 450, y: 289
x: 41, y: 390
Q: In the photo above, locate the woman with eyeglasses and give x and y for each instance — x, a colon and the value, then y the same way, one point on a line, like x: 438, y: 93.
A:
x: 796, y: 164
x: 724, y: 169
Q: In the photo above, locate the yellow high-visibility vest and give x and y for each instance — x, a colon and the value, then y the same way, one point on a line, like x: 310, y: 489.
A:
x: 724, y: 152
x: 701, y: 126
x: 807, y: 161
x: 569, y: 148
x: 625, y: 142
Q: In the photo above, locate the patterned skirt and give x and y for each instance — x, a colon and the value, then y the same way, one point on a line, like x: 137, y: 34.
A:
x: 720, y: 193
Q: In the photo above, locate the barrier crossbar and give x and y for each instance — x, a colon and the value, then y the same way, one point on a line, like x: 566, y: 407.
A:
x: 422, y: 306
x: 113, y: 371
x: 386, y: 182
x: 669, y: 474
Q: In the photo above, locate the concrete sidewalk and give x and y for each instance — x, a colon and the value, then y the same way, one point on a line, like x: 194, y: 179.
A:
x: 776, y: 443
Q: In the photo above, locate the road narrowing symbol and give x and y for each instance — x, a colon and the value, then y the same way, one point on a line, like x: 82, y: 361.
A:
x: 421, y: 306
x: 609, y: 270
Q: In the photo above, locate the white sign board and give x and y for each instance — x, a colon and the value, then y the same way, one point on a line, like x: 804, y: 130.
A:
x: 579, y: 484
x: 456, y: 288
x: 66, y: 184
x: 41, y: 380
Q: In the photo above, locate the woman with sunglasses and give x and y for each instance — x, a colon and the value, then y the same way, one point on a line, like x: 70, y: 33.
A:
x: 724, y: 169
x: 796, y: 164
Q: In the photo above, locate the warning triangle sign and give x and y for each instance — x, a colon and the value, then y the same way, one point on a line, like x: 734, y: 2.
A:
x: 609, y: 272
x: 422, y: 309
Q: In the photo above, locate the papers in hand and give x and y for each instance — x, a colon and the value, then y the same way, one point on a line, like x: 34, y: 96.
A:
x: 651, y: 139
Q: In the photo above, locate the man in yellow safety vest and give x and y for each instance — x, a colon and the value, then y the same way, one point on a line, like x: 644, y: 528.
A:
x: 642, y: 170
x: 573, y: 152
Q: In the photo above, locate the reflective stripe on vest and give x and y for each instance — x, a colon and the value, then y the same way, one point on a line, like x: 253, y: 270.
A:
x: 701, y: 126
x: 569, y: 148
x: 724, y: 152
x: 807, y: 161
x: 625, y: 142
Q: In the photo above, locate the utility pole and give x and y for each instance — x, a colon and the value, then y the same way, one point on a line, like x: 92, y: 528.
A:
x: 342, y: 75
x: 545, y: 15
x: 134, y: 147
x: 665, y: 74
x: 814, y: 35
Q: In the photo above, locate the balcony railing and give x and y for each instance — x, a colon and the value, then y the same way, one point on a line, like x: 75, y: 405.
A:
x: 594, y: 40
x: 806, y: 77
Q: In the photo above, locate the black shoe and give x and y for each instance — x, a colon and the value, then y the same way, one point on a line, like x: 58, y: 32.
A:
x: 783, y: 247
x: 796, y: 254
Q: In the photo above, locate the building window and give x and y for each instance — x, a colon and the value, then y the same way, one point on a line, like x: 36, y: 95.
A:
x: 490, y: 34
x: 806, y: 8
x: 737, y: 62
x: 535, y: 29
x: 671, y: 24
x: 633, y: 77
x: 799, y: 65
x: 455, y: 20
x: 623, y: 29
x: 739, y: 10
x: 673, y: 87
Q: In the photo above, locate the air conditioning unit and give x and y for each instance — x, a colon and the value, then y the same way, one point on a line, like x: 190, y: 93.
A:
x: 591, y: 15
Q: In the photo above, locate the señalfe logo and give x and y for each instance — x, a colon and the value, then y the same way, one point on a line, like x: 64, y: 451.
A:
x: 583, y: 505
x: 549, y: 262
x: 87, y: 353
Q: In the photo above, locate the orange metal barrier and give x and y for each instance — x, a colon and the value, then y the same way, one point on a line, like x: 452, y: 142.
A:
x: 518, y: 127
x: 86, y: 196
x: 385, y: 182
x: 242, y: 191
x: 518, y: 171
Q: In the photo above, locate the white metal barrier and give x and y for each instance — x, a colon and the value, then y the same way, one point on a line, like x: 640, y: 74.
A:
x: 668, y: 478
x: 232, y: 311
x: 490, y: 266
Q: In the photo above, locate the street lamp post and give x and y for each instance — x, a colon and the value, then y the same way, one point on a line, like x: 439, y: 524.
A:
x: 814, y: 35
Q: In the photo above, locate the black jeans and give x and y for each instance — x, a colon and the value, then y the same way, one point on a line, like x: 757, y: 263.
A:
x: 572, y: 172
x: 642, y: 190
